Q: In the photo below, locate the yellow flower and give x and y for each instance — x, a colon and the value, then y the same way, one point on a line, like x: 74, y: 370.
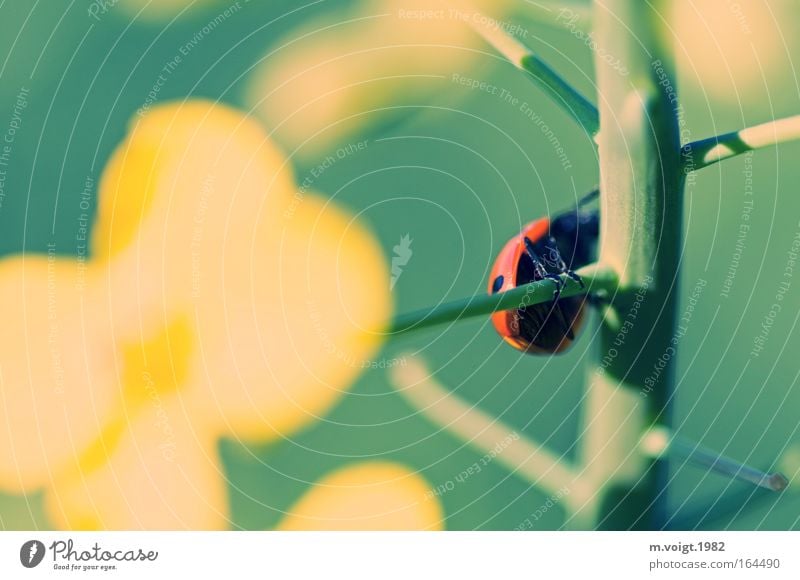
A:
x: 339, y: 74
x: 218, y: 301
x: 368, y: 496
x: 57, y: 368
x: 731, y: 50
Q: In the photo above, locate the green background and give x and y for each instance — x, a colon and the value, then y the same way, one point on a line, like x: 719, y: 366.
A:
x: 86, y: 79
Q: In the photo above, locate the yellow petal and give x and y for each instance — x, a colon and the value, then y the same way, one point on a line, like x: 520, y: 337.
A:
x: 299, y: 321
x: 367, y: 496
x: 286, y: 294
x: 197, y: 166
x: 161, y: 472
x: 57, y: 371
x: 731, y: 50
x: 342, y: 73
x: 220, y: 301
x: 238, y: 307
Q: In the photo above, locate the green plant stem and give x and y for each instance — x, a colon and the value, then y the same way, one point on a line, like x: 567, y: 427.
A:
x: 660, y: 442
x: 595, y: 278
x: 524, y: 456
x: 641, y: 180
x: 528, y: 458
x: 566, y: 96
x: 706, y: 152
x: 703, y: 457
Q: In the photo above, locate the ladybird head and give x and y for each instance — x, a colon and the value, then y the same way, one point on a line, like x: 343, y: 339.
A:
x: 504, y: 277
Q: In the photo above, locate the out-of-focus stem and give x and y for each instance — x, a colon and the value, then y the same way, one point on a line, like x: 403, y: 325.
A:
x: 564, y: 94
x: 486, y: 434
x: 703, y: 457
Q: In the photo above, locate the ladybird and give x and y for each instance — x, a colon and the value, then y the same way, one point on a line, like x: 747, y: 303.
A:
x: 545, y: 249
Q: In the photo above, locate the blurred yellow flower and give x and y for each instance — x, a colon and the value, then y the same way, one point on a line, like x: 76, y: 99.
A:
x: 218, y: 301
x: 729, y: 49
x: 368, y: 496
x: 323, y: 83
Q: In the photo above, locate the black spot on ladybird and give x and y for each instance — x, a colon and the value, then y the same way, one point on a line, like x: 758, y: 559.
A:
x: 498, y: 283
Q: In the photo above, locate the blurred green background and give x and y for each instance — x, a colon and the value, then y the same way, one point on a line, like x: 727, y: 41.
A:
x: 458, y: 170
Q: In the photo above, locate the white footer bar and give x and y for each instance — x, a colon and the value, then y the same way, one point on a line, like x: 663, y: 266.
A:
x: 406, y: 556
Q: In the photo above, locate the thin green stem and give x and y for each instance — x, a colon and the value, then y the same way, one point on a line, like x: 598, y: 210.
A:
x: 708, y: 459
x: 595, y: 278
x: 522, y: 455
x: 660, y: 442
x: 564, y: 94
x: 709, y: 151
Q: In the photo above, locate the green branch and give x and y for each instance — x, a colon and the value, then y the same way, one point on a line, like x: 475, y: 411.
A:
x: 524, y: 456
x: 660, y: 442
x: 709, y: 151
x: 540, y: 466
x: 641, y: 181
x: 564, y: 94
x: 619, y: 477
x: 712, y: 461
x: 595, y: 278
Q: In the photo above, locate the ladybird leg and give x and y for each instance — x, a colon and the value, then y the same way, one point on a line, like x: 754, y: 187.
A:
x: 556, y: 311
x: 559, y: 286
x: 539, y: 266
x: 574, y: 276
x: 541, y: 271
x: 553, y: 257
x: 558, y: 262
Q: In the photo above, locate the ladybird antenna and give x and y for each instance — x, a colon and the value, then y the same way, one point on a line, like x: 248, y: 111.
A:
x: 589, y: 197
